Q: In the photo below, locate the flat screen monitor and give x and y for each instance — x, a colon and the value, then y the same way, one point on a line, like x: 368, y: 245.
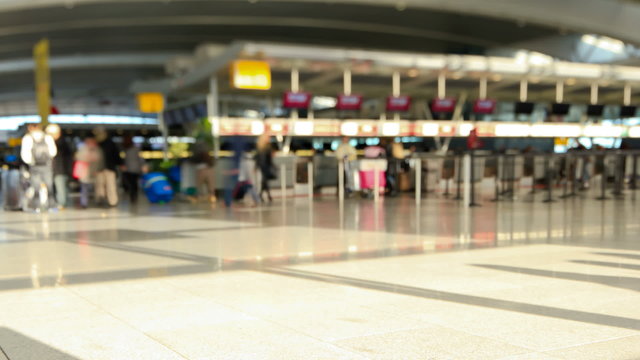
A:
x: 628, y: 111
x: 524, y: 108
x: 595, y: 110
x: 560, y: 109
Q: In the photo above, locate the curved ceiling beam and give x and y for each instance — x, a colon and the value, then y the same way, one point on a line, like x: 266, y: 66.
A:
x: 606, y: 17
x: 270, y: 21
x: 90, y: 61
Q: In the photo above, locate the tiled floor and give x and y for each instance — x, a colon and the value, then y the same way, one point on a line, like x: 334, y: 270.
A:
x: 301, y: 280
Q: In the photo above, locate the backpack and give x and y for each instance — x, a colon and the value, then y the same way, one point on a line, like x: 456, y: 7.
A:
x: 40, y: 152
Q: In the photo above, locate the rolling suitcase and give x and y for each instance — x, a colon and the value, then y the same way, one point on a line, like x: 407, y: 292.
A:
x: 12, y: 190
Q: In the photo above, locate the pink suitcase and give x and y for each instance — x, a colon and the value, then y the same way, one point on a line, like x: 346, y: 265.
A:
x: 367, y: 180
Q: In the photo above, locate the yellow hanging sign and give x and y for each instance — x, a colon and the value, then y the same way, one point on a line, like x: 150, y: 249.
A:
x: 561, y: 141
x: 150, y: 102
x: 42, y: 80
x: 250, y: 75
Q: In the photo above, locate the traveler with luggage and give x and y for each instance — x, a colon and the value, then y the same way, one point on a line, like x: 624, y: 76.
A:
x: 89, y: 162
x: 106, y: 186
x: 62, y: 165
x: 38, y: 150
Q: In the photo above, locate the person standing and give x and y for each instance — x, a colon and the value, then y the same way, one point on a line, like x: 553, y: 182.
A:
x: 205, y: 178
x: 89, y: 163
x: 347, y: 154
x: 246, y: 178
x: 106, y: 184
x: 38, y: 150
x: 264, y: 161
x: 62, y: 165
x: 134, y: 166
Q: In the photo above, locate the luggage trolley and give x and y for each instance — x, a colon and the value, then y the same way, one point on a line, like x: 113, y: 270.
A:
x: 368, y: 170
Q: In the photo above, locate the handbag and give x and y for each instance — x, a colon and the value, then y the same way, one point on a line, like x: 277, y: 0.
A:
x: 80, y: 170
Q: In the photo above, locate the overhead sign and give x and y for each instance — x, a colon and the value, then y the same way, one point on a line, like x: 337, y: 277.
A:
x: 150, y: 102
x: 443, y: 105
x: 250, y: 75
x: 398, y: 103
x: 484, y: 106
x: 296, y: 100
x: 42, y: 80
x: 349, y: 102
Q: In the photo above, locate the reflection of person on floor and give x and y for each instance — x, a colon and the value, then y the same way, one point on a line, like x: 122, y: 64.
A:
x: 106, y: 186
x: 62, y: 165
x: 347, y: 154
x: 264, y: 160
x: 134, y: 166
x: 38, y: 151
x: 89, y: 162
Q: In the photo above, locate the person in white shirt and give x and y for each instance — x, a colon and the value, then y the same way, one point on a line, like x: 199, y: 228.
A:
x: 346, y: 151
x: 38, y: 150
x: 347, y: 154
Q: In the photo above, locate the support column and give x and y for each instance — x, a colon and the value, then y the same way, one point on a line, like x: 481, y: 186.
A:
x: 483, y: 89
x: 213, y: 113
x: 165, y: 133
x: 559, y: 91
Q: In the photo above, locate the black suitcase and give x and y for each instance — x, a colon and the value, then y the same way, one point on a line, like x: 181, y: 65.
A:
x: 12, y: 189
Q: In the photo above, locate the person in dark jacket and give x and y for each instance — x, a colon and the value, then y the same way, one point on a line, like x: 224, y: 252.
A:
x: 106, y: 183
x: 264, y: 162
x: 62, y: 165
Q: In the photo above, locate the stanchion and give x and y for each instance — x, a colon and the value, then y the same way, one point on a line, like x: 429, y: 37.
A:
x: 533, y: 173
x: 446, y: 187
x: 473, y: 180
x: 418, y: 170
x: 634, y: 173
x: 283, y: 181
x: 457, y: 173
x: 567, y: 174
x: 547, y: 170
x: 376, y: 183
x: 466, y: 160
x: 512, y: 180
x: 603, y: 179
x: 259, y: 182
x: 619, y: 175
x: 496, y: 196
x: 341, y: 180
x: 310, y: 179
x: 574, y: 178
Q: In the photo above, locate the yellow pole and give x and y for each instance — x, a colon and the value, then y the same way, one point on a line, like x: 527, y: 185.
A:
x: 42, y: 80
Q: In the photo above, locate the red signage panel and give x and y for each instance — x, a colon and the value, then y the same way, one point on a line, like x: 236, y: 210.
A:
x: 443, y: 105
x: 398, y: 103
x: 296, y: 100
x: 484, y: 106
x: 349, y: 102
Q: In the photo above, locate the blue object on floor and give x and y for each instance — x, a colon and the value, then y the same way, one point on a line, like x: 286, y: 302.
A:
x: 174, y: 173
x: 157, y: 188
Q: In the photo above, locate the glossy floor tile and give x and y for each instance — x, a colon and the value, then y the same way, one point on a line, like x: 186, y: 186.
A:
x: 320, y: 280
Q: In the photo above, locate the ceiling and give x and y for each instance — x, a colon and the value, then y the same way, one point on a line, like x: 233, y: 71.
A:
x: 108, y: 27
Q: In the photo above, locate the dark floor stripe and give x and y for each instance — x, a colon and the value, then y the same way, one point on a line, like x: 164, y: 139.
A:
x: 540, y: 310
